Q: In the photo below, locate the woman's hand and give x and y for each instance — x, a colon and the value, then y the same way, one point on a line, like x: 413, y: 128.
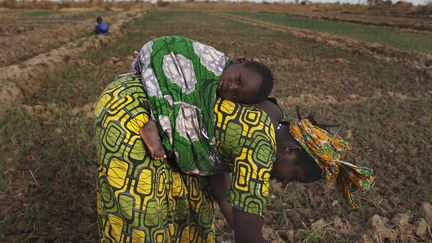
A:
x: 247, y: 227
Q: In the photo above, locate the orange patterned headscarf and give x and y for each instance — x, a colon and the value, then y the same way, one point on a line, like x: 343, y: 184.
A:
x: 328, y: 150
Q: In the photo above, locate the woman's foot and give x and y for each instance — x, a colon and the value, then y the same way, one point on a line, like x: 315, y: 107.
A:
x: 149, y: 134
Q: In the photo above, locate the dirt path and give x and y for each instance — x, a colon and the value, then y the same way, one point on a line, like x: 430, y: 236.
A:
x: 421, y: 62
x: 411, y: 24
x: 28, y: 33
x: 404, y: 18
x: 22, y: 40
x: 25, y: 78
x: 315, y: 99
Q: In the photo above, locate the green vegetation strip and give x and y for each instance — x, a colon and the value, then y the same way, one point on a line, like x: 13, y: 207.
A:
x: 368, y: 33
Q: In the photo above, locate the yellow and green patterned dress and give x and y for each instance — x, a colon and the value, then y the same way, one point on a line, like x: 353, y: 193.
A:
x: 144, y: 200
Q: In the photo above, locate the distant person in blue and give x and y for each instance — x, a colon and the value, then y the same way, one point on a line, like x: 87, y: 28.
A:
x: 101, y: 27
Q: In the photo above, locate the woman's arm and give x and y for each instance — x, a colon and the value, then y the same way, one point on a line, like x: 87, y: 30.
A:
x: 253, y: 151
x: 247, y: 227
x: 227, y: 211
x: 219, y: 186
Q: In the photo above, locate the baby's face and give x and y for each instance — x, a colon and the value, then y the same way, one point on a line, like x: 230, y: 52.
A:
x: 239, y: 83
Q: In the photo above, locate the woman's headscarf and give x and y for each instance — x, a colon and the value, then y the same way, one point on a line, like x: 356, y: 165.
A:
x: 328, y: 150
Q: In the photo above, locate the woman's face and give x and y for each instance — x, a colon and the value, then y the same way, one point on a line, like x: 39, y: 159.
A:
x: 239, y: 83
x: 285, y: 169
x: 292, y: 162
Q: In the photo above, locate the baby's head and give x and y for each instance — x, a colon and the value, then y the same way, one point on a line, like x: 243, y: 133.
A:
x: 99, y: 19
x: 248, y: 82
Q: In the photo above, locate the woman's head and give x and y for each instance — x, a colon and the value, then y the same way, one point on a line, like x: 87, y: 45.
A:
x: 293, y: 163
x: 323, y: 158
x: 245, y: 81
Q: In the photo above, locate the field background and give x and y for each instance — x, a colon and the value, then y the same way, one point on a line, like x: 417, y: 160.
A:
x: 367, y: 68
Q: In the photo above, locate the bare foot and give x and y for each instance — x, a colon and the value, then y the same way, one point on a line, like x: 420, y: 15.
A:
x: 149, y: 134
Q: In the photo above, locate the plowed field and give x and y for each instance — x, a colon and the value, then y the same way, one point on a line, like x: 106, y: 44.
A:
x: 52, y: 70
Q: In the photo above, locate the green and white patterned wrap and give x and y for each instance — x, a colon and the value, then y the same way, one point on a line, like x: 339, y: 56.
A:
x: 180, y: 77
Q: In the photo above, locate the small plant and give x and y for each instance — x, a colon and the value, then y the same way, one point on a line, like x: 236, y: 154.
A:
x: 319, y: 231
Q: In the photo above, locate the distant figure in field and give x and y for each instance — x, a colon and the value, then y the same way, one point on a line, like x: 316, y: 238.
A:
x: 101, y: 26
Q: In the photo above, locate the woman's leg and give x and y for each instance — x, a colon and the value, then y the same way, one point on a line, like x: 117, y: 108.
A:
x: 133, y: 190
x: 194, y: 209
x: 140, y: 199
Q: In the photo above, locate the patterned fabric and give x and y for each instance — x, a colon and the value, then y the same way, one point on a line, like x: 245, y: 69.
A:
x: 140, y: 199
x: 144, y: 200
x: 180, y: 77
x: 328, y: 150
x: 247, y: 143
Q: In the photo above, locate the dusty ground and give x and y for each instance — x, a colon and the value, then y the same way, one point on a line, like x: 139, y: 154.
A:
x: 24, y: 35
x: 54, y: 204
x: 31, y: 57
